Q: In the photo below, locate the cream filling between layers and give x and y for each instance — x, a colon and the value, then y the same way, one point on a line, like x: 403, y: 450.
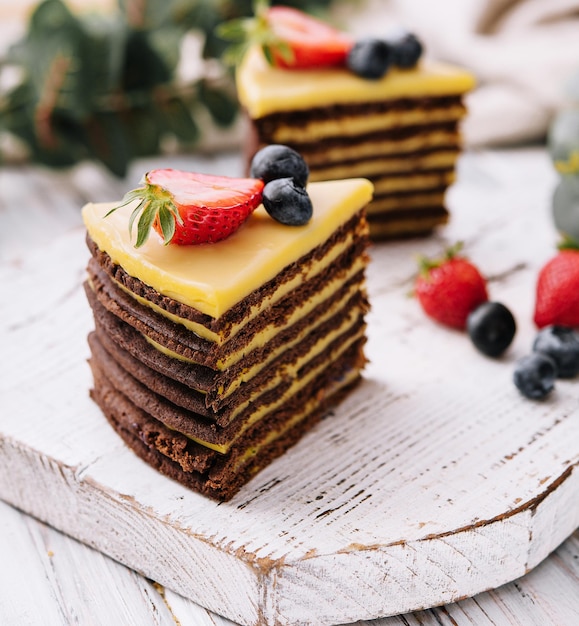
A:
x: 352, y: 126
x: 263, y: 89
x: 219, y: 339
x: 379, y: 148
x: 311, y: 406
x: 413, y: 201
x: 213, y: 277
x: 296, y: 387
x: 410, y: 182
x: 269, y: 332
x: 405, y: 226
x: 388, y: 165
x: 248, y: 373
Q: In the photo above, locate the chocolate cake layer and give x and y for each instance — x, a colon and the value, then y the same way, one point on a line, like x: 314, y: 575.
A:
x: 218, y: 330
x: 344, y: 120
x: 407, y: 147
x: 180, y: 382
x: 208, y: 433
x: 206, y: 471
x: 217, y: 382
x: 211, y: 400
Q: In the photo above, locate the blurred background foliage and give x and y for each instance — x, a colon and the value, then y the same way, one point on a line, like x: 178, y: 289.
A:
x: 106, y: 86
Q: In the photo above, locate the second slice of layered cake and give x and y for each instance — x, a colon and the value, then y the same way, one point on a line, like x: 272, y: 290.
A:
x: 211, y: 360
x: 401, y: 130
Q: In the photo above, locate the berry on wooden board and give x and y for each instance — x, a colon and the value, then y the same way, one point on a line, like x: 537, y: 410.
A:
x: 557, y: 291
x: 535, y: 375
x: 189, y: 208
x: 491, y: 328
x: 450, y: 288
x: 562, y: 345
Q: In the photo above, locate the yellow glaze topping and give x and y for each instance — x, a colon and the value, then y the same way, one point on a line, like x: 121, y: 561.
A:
x: 264, y: 89
x: 214, y: 277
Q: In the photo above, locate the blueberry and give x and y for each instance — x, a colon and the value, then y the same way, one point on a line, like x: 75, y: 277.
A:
x: 370, y: 58
x: 406, y: 50
x: 491, y: 327
x: 535, y: 375
x: 287, y: 202
x: 279, y: 161
x: 562, y: 345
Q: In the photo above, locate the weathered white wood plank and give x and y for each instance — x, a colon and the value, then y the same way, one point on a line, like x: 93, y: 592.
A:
x: 434, y: 481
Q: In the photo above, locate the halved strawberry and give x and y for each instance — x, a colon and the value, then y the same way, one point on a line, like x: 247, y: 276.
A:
x: 190, y: 208
x: 305, y: 42
x: 288, y: 37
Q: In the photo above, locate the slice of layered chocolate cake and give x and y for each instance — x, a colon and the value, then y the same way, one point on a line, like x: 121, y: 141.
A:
x: 211, y: 359
x: 379, y: 111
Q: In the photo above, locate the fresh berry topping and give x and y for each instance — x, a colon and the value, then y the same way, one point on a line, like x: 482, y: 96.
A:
x: 557, y: 293
x: 535, y: 375
x: 562, y: 345
x: 278, y: 161
x: 310, y: 42
x: 491, y: 327
x: 370, y: 58
x: 406, y: 50
x: 450, y: 288
x: 287, y: 202
x: 288, y: 37
x: 189, y: 208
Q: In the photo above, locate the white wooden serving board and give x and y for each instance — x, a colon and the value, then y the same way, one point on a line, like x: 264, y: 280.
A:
x: 433, y: 481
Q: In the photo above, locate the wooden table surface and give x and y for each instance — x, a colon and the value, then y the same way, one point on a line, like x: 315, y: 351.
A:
x: 49, y: 578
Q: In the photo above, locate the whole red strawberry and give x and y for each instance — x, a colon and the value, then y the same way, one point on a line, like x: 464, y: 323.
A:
x: 190, y: 208
x: 557, y: 294
x: 450, y: 288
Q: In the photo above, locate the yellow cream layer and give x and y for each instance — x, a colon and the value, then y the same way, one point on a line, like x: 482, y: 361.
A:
x: 311, y: 406
x: 220, y: 338
x: 295, y: 388
x: 423, y: 181
x: 405, y: 226
x: 263, y: 89
x: 414, y: 201
x: 352, y: 126
x: 269, y: 332
x: 369, y: 149
x: 388, y: 165
x: 214, y: 277
x: 248, y: 373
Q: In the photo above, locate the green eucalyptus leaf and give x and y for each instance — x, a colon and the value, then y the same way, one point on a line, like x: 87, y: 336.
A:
x: 105, y: 140
x: 219, y: 103
x: 176, y: 118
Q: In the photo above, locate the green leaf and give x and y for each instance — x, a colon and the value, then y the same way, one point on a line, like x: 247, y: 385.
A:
x: 167, y: 222
x: 53, y: 58
x: 106, y: 140
x: 144, y: 67
x: 221, y: 106
x: 145, y: 222
x: 176, y: 118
